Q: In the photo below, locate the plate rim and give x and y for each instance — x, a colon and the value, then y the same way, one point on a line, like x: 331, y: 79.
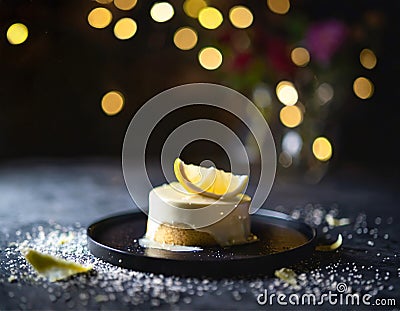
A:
x: 262, y: 212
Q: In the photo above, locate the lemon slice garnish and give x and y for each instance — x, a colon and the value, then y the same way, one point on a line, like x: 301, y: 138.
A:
x: 209, y: 181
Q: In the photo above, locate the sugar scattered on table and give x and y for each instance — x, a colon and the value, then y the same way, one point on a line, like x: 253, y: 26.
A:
x: 111, y: 285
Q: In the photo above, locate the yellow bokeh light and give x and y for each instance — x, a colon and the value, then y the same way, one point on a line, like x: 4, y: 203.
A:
x: 291, y: 116
x: 17, y: 33
x: 210, y: 58
x: 162, y: 12
x: 300, y: 56
x: 99, y: 17
x: 125, y: 28
x: 368, y: 58
x: 363, y: 88
x: 322, y: 149
x: 240, y: 16
x: 125, y: 5
x: 104, y: 1
x: 210, y: 18
x: 112, y: 103
x: 192, y: 8
x: 279, y: 6
x: 287, y: 93
x: 185, y: 38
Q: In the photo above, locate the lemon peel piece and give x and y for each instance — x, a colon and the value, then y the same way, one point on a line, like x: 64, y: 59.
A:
x: 51, y: 267
x: 330, y: 247
x: 334, y: 222
x: 287, y: 275
x: 209, y: 181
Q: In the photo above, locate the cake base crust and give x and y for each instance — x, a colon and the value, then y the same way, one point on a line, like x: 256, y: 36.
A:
x: 179, y: 236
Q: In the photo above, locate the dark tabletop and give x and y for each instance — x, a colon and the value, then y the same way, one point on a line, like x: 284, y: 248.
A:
x: 41, y: 200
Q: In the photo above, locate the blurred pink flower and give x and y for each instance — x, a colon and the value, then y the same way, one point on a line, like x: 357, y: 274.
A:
x: 323, y: 39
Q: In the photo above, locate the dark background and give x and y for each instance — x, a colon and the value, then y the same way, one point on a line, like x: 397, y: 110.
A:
x: 52, y: 84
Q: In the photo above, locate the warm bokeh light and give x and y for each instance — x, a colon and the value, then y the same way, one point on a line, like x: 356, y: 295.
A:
x: 262, y: 96
x: 162, y: 12
x: 99, y: 17
x: 300, y: 56
x: 210, y: 58
x: 279, y: 6
x: 322, y: 149
x: 104, y: 1
x: 125, y: 28
x: 112, y: 103
x: 325, y: 93
x: 363, y: 88
x: 17, y: 33
x: 287, y: 93
x: 185, y: 38
x: 292, y: 143
x: 368, y: 58
x: 192, y: 8
x: 240, y: 16
x: 125, y: 5
x: 291, y: 116
x: 210, y: 18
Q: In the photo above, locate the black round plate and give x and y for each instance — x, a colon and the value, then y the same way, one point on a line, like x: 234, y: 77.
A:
x: 282, y: 242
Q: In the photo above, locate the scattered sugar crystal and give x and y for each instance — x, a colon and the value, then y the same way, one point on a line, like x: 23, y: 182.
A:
x: 132, y: 288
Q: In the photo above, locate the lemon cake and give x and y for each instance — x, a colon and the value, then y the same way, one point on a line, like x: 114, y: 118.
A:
x: 206, y: 207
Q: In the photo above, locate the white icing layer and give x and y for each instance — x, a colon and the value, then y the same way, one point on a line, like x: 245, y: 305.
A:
x: 227, y: 221
x: 148, y: 243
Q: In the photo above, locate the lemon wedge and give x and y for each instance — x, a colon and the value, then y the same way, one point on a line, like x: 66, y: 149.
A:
x: 53, y: 268
x: 209, y: 181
